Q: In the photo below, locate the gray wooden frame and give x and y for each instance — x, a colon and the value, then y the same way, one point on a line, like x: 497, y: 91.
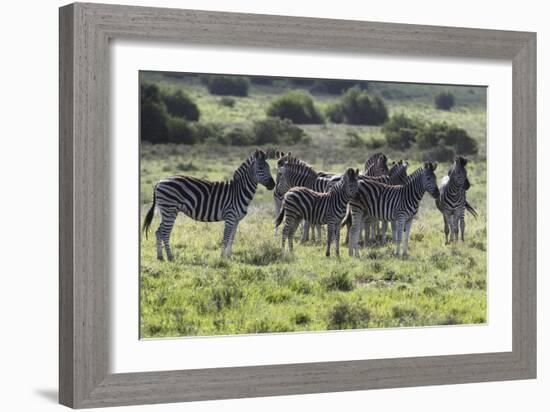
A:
x: 85, y: 31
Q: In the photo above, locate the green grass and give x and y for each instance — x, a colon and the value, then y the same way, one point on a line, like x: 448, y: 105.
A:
x: 260, y: 289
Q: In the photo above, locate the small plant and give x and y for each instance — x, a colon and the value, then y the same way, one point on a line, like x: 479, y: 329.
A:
x: 228, y: 85
x: 444, y: 100
x: 296, y: 106
x: 339, y: 281
x: 348, y: 316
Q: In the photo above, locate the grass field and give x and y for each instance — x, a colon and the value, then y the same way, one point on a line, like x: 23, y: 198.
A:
x: 260, y: 289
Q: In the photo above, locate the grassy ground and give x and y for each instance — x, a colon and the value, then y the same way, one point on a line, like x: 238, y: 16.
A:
x: 261, y: 290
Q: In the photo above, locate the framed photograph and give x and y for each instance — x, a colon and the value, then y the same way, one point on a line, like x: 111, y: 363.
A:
x: 257, y: 205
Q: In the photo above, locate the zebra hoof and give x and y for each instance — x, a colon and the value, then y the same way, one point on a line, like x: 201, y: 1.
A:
x: 171, y: 258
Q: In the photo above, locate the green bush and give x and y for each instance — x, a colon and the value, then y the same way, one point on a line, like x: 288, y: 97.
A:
x: 181, y: 131
x: 180, y: 104
x: 296, y: 106
x: 261, y: 80
x: 239, y: 137
x: 401, y: 131
x: 444, y: 100
x: 361, y: 107
x: 227, y: 101
x: 348, y: 316
x: 332, y: 86
x: 335, y: 113
x: 276, y: 130
x: 432, y: 135
x: 228, y: 85
x: 153, y: 122
x: 440, y: 153
x: 462, y: 143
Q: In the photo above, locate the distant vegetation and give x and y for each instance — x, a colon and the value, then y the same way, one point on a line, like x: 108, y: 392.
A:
x: 359, y: 107
x: 296, y: 106
x: 444, y: 100
x: 228, y: 85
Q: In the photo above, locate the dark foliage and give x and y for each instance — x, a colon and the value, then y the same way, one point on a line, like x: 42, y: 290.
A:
x: 296, y: 106
x: 228, y: 85
x: 444, y: 100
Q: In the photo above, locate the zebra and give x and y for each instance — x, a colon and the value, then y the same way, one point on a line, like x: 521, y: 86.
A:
x: 207, y: 201
x: 397, y: 204
x: 293, y: 172
x: 376, y: 165
x: 302, y: 203
x: 452, y: 199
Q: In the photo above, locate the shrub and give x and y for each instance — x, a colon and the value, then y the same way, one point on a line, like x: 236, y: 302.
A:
x: 275, y: 130
x: 339, y: 281
x: 348, y: 316
x: 153, y: 122
x: 461, y: 142
x: 153, y: 114
x: 228, y: 85
x: 444, y: 100
x: 361, y: 107
x: 181, y: 131
x: 180, y: 104
x: 204, y: 131
x: 239, y: 137
x: 302, y: 82
x: 331, y: 86
x: 296, y: 106
x: 401, y: 131
x: 261, y: 80
x: 227, y: 101
x: 335, y: 113
x: 430, y: 136
x: 354, y: 140
x: 440, y: 153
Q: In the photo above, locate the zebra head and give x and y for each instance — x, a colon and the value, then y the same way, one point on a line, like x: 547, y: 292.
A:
x: 262, y: 170
x: 458, y: 173
x: 350, y: 181
x: 398, y: 171
x: 429, y: 180
x: 377, y: 165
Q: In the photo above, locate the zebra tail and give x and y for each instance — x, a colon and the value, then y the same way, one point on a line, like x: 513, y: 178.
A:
x: 280, y: 218
x: 150, y: 214
x: 470, y: 209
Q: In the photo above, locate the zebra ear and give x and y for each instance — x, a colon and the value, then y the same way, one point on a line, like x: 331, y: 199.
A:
x: 356, y: 172
x: 434, y: 166
x: 261, y: 155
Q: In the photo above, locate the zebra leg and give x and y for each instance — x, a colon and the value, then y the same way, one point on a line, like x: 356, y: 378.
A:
x: 232, y: 238
x: 277, y: 206
x: 406, y: 240
x: 293, y: 225
x: 164, y: 231
x: 446, y: 227
x: 384, y: 232
x: 398, y: 237
x: 305, y: 232
x: 330, y: 236
x: 454, y: 227
x: 319, y: 232
x: 366, y: 237
x: 159, y: 244
x: 462, y: 224
x: 356, y: 224
x: 230, y: 226
x: 337, y: 239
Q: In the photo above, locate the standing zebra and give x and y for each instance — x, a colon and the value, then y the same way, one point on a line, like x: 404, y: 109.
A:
x: 301, y: 203
x: 452, y: 199
x: 207, y: 201
x: 397, y: 176
x: 293, y: 172
x: 396, y: 204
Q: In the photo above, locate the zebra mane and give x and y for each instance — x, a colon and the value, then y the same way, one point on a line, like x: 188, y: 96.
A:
x: 243, y: 168
x: 295, y: 163
x: 414, y: 174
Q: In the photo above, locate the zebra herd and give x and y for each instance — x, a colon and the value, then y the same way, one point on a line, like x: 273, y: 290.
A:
x: 364, y: 201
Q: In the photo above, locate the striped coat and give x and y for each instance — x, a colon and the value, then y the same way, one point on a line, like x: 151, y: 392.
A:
x: 207, y: 201
x: 302, y: 203
x: 396, y: 204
